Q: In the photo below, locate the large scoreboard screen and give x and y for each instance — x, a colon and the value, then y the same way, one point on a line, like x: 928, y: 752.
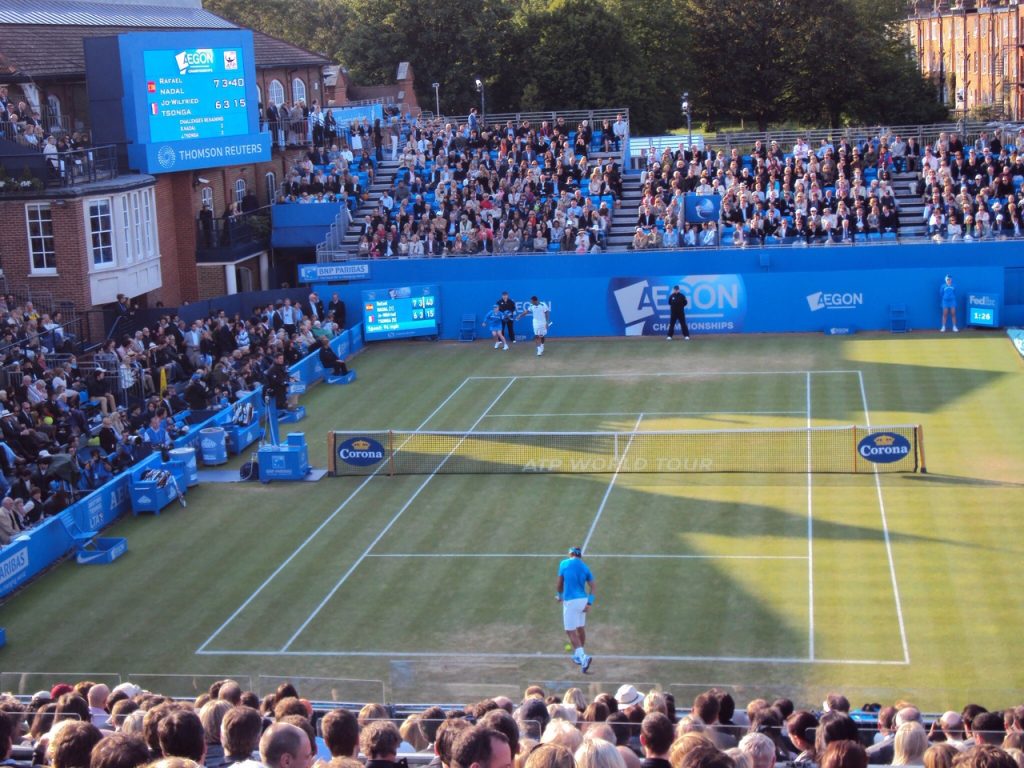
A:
x: 195, y: 94
x: 398, y: 313
x: 178, y: 100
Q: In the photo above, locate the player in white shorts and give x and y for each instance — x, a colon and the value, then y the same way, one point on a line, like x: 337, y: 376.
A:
x: 541, y: 317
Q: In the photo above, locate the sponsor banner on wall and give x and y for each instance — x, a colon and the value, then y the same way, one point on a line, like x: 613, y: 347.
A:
x: 639, y: 305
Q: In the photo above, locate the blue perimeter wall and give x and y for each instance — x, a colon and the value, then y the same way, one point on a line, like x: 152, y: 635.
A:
x: 743, y: 290
x: 42, y: 546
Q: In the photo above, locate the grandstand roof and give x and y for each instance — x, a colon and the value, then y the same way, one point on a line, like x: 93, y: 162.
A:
x: 31, y: 32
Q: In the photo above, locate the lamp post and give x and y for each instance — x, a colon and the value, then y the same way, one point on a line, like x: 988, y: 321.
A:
x: 437, y: 99
x: 483, y: 111
x: 685, y: 106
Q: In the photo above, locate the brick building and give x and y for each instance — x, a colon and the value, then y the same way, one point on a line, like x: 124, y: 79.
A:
x: 972, y: 50
x: 98, y: 230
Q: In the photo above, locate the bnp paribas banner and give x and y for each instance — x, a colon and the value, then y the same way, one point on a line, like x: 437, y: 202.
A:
x: 639, y: 305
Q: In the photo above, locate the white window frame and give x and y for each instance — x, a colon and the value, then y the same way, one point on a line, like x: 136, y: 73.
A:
x: 271, y: 183
x: 37, y: 242
x: 126, y: 227
x: 106, y: 251
x: 275, y: 92
x: 240, y: 189
x: 206, y: 197
x: 148, y: 204
x: 298, y: 90
x: 137, y: 223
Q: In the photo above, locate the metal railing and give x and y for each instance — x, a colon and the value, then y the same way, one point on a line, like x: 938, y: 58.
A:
x: 27, y: 173
x: 217, y: 237
x: 334, y: 242
x: 969, y: 130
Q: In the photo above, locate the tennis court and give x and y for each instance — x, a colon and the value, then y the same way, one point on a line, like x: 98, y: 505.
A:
x: 435, y: 585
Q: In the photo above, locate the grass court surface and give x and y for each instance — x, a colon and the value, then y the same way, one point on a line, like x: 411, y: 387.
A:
x: 440, y: 587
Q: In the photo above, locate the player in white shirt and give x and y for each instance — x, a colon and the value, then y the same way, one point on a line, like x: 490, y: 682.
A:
x: 541, y: 317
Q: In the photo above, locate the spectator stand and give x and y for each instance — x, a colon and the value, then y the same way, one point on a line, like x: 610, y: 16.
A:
x: 463, y: 187
x: 36, y: 549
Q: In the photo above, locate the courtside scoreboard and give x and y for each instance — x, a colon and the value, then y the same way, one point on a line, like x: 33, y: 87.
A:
x: 185, y: 100
x: 983, y: 309
x: 398, y: 313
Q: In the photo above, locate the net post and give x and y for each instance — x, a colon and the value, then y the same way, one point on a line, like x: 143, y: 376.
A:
x: 391, y: 453
x: 332, y: 467
x: 919, y: 433
x: 853, y: 431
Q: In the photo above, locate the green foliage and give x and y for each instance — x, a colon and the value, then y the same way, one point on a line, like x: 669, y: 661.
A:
x: 832, y: 63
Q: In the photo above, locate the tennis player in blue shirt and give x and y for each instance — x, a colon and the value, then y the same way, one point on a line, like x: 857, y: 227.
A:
x: 947, y: 293
x: 495, y: 320
x: 572, y: 592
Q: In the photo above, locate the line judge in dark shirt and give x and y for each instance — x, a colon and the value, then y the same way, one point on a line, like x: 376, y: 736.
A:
x: 506, y: 304
x: 677, y: 313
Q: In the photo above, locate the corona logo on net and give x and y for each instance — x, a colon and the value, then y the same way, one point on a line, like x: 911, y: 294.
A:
x: 361, y: 451
x: 884, y: 447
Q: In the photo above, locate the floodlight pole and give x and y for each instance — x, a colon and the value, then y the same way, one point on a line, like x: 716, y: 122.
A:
x: 437, y: 99
x: 483, y: 111
x: 685, y: 106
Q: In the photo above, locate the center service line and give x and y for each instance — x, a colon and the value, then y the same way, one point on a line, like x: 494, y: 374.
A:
x: 885, y: 532
x: 611, y: 484
x: 319, y: 528
x: 393, y: 520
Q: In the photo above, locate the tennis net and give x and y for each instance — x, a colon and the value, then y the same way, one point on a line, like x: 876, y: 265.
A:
x: 844, y: 449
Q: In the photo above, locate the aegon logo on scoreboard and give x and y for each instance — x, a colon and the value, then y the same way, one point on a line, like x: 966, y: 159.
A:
x: 194, y: 61
x: 717, y: 303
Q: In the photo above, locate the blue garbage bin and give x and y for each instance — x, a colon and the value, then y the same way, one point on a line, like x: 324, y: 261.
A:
x: 213, y: 445
x: 187, y: 456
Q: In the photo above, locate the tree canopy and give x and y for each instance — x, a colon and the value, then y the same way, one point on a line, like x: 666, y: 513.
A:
x: 803, y: 60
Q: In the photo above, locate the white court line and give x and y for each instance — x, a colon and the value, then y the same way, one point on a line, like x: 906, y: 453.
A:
x: 590, y: 556
x: 650, y: 413
x: 660, y: 373
x: 885, y: 531
x: 466, y: 656
x: 319, y: 528
x: 810, y: 532
x: 611, y: 484
x: 393, y: 520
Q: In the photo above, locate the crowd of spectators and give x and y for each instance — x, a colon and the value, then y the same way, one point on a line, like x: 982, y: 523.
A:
x: 24, y: 125
x: 467, y: 188
x: 972, y: 192
x: 88, y: 725
x: 67, y: 427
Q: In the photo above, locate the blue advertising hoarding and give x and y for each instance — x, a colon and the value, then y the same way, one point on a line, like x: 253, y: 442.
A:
x: 188, y: 100
x: 312, y: 273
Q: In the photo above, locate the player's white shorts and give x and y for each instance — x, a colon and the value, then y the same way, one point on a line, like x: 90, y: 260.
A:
x: 573, y: 616
x: 540, y: 329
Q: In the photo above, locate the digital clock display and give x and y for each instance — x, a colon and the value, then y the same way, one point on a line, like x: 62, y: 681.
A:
x: 195, y: 93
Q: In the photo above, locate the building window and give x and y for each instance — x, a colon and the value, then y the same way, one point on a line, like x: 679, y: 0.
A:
x: 53, y: 112
x: 271, y: 180
x: 298, y: 90
x: 126, y: 227
x: 147, y: 220
x: 101, y: 230
x: 137, y: 222
x: 39, y: 219
x: 239, y: 190
x: 206, y: 196
x: 276, y: 92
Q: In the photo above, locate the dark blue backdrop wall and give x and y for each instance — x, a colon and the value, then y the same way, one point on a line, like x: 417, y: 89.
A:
x: 744, y: 290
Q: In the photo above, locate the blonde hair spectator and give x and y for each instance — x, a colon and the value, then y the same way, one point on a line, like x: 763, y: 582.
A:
x: 685, y: 744
x: 574, y: 697
x: 412, y: 734
x: 910, y: 744
x: 655, y: 702
x: 563, y: 734
x: 598, y: 753
x: 940, y: 756
x: 550, y: 756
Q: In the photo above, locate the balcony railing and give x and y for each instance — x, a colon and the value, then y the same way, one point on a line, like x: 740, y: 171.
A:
x: 30, y: 172
x: 232, y: 238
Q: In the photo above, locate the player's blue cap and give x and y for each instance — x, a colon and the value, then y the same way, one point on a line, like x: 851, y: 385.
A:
x: 576, y: 551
